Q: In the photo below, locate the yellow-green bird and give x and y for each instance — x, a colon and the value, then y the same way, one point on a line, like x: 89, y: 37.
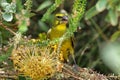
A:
x: 58, y: 29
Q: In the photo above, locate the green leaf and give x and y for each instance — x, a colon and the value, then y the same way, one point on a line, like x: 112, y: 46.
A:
x: 5, y: 35
x: 4, y: 4
x: 107, y: 18
x: 12, y: 8
x: 101, y: 5
x: 5, y: 56
x: 9, y: 7
x: 19, y: 5
x: 23, y: 27
x: 113, y: 17
x: 43, y: 26
x: 118, y: 7
x: 110, y: 54
x: 91, y: 13
x: 7, y: 16
x: 21, y: 77
x: 44, y: 5
x: 51, y: 9
x: 115, y: 36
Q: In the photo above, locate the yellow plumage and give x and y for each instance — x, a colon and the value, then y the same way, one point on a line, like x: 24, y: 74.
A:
x: 57, y: 31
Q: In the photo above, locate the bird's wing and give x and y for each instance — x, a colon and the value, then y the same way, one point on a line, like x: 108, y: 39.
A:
x: 48, y: 33
x: 73, y: 41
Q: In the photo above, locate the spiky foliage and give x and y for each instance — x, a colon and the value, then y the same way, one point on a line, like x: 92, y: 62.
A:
x: 77, y: 13
x: 51, y: 9
x: 40, y: 62
x: 34, y: 62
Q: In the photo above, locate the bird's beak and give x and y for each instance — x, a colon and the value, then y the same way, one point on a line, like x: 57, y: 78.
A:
x: 65, y: 18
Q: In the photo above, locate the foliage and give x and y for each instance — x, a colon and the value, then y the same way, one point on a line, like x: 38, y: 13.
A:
x: 113, y: 8
x: 78, y: 10
x: 51, y: 9
x: 5, y: 56
x: 97, y: 33
x: 9, y: 9
x: 110, y: 10
x: 34, y: 62
x: 111, y: 57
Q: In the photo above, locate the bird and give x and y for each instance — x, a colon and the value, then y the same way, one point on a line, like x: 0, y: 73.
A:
x: 57, y: 30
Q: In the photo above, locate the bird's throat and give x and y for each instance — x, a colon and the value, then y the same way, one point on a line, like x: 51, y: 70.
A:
x: 61, y: 27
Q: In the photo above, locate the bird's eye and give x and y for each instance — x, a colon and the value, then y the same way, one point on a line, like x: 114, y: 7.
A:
x: 59, y: 16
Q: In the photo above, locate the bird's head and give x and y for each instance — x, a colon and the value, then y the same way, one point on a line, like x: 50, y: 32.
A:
x: 61, y: 18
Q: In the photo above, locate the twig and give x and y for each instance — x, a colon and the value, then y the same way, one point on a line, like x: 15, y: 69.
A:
x: 113, y: 77
x: 78, y: 78
x: 8, y: 75
x: 71, y: 73
x: 1, y: 24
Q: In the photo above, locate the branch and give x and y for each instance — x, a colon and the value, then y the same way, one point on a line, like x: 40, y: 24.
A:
x: 4, y: 26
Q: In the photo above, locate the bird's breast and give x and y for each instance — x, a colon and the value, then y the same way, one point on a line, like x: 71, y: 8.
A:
x: 58, y: 31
